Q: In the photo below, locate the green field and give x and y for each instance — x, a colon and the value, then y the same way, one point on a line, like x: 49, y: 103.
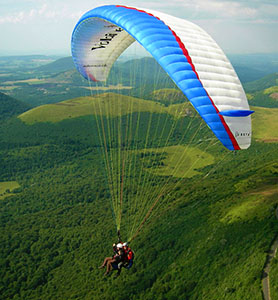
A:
x: 113, y: 105
x: 273, y: 89
x: 7, y: 187
x: 255, y: 204
x: 180, y: 161
x: 30, y: 81
x: 265, y: 124
x: 108, y: 88
x: 108, y: 104
x: 168, y: 96
x: 8, y: 88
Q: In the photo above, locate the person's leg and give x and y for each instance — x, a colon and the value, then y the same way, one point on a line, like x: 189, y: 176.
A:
x: 106, y: 260
x: 109, y: 266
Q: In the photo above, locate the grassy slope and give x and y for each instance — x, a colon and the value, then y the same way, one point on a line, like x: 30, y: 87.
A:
x: 115, y: 105
x: 7, y: 185
x: 254, y: 204
x: 263, y: 92
x: 264, y: 98
x: 265, y: 123
x: 168, y: 96
x: 108, y: 104
x: 181, y: 161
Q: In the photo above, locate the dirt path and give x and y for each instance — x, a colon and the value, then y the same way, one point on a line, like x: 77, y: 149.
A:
x: 266, y: 269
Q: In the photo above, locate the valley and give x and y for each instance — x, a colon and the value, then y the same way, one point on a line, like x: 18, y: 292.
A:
x: 211, y: 212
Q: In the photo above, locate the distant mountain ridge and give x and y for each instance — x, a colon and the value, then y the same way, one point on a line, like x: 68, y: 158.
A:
x: 249, y: 67
x: 59, y: 80
x: 59, y: 65
x: 23, y: 62
x: 262, y: 83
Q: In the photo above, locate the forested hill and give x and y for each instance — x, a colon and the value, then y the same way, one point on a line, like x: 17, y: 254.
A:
x: 10, y: 107
x: 212, y: 211
x: 263, y: 92
x: 205, y: 241
x: 262, y: 83
x: 59, y: 65
x: 132, y: 72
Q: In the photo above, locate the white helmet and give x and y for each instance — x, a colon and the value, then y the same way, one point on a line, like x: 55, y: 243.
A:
x: 119, y: 245
x: 125, y: 244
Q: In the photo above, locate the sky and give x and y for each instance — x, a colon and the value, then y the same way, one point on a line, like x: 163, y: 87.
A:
x: 45, y: 26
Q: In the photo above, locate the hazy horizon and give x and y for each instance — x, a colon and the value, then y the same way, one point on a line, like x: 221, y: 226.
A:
x: 61, y: 55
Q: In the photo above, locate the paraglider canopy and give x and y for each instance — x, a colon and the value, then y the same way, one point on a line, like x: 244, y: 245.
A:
x: 185, y: 51
x: 201, y: 71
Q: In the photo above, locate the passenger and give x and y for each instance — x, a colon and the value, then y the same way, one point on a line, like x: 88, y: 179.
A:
x: 112, y: 262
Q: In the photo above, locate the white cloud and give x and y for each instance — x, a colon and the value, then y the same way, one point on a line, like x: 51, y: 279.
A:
x: 42, y: 14
x: 16, y: 18
x: 42, y: 10
x: 190, y: 9
x: 32, y: 13
x: 221, y: 9
x: 269, y: 11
